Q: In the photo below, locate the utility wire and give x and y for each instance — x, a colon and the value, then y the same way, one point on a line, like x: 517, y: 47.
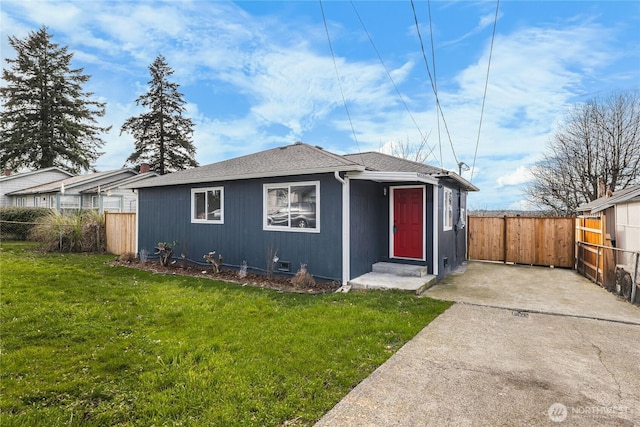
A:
x: 424, y: 138
x: 486, y: 84
x: 435, y: 80
x: 435, y: 92
x: 335, y: 66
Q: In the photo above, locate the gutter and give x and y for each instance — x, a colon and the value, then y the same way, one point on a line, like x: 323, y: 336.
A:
x: 346, y: 231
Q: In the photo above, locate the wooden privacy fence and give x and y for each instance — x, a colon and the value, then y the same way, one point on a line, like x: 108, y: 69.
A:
x: 615, y: 269
x: 121, y: 232
x: 523, y: 240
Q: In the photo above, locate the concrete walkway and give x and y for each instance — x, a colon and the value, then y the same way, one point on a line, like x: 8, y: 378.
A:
x: 557, y: 350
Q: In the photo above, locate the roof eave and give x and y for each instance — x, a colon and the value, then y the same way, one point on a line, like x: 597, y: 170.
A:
x: 384, y: 176
x: 460, y: 180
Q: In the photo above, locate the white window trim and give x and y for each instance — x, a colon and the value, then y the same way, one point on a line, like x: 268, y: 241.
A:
x: 195, y: 220
x: 447, y: 205
x: 289, y: 229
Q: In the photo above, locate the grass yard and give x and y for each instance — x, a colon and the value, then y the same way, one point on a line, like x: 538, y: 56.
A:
x: 86, y: 343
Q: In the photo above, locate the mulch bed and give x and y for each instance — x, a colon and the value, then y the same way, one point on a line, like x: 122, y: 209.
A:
x: 282, y: 284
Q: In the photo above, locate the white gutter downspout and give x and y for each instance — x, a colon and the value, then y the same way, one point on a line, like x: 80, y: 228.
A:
x: 135, y: 191
x: 346, y: 231
x: 436, y: 228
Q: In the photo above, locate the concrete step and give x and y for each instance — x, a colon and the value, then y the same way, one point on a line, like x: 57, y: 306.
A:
x: 400, y: 269
x: 387, y: 281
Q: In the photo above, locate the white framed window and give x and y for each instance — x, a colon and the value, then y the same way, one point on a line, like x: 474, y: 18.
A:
x: 447, y: 210
x: 207, y: 205
x: 293, y: 206
x: 109, y: 203
x: 70, y: 202
x: 21, y: 202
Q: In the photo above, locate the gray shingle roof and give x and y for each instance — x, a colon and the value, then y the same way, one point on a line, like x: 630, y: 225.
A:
x: 376, y: 161
x: 620, y: 196
x: 295, y: 159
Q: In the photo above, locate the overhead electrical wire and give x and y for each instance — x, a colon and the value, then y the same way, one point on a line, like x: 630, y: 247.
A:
x: 486, y: 84
x: 424, y: 138
x: 335, y: 66
x: 435, y: 80
x: 433, y: 87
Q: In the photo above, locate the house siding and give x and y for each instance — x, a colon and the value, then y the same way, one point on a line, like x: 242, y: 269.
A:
x: 452, y: 244
x: 165, y: 215
x: 369, y: 237
x: 17, y: 183
x: 627, y: 225
x: 370, y: 240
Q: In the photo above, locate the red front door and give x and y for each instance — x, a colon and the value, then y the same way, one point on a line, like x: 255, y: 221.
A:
x: 408, y: 223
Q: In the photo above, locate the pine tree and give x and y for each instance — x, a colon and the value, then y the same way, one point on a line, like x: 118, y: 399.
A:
x: 163, y: 134
x: 47, y: 120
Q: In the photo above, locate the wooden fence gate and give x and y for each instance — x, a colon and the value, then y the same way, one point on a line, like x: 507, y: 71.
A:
x: 121, y: 232
x: 523, y: 240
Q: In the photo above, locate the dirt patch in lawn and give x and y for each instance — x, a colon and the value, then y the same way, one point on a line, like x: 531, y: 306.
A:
x: 283, y: 284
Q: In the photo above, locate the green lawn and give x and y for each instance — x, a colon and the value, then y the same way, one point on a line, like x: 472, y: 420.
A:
x: 86, y: 343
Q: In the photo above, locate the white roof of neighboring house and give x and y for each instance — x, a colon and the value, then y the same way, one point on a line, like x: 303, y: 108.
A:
x: 21, y: 175
x: 122, y: 183
x: 621, y: 196
x: 70, y: 183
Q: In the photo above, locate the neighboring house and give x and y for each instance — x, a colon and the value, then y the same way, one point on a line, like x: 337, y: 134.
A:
x: 10, y: 183
x: 101, y: 190
x: 621, y: 213
x: 300, y: 204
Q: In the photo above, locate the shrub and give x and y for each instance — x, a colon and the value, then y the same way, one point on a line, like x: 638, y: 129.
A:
x: 303, y: 278
x: 81, y: 231
x: 17, y: 222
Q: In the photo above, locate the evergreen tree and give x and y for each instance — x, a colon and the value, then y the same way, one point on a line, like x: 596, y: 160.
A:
x: 47, y: 120
x: 163, y: 134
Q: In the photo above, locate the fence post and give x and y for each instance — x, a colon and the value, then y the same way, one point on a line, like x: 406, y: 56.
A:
x: 504, y: 227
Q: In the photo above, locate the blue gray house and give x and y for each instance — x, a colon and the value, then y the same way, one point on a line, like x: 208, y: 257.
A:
x: 338, y: 214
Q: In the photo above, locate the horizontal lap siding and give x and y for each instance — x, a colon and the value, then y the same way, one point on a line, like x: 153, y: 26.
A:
x: 165, y: 216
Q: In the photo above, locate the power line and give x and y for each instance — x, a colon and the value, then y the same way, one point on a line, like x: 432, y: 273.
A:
x: 435, y: 80
x: 335, y: 66
x: 486, y: 84
x: 424, y: 138
x: 433, y: 87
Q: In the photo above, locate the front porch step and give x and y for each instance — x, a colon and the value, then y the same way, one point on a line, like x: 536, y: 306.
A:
x: 404, y: 270
x: 387, y: 281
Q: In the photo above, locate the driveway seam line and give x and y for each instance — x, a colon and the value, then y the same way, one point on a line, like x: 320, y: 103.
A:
x: 551, y: 313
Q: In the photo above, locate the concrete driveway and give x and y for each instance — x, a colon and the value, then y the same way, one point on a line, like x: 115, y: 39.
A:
x: 523, y: 346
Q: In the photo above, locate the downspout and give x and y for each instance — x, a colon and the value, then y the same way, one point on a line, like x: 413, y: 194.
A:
x: 634, y: 282
x: 135, y: 191
x: 346, y: 231
x: 436, y: 228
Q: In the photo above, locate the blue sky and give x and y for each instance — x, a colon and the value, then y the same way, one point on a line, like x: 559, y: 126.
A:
x: 257, y: 75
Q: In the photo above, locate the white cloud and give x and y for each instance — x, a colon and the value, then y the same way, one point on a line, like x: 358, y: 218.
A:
x: 519, y: 176
x: 283, y: 80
